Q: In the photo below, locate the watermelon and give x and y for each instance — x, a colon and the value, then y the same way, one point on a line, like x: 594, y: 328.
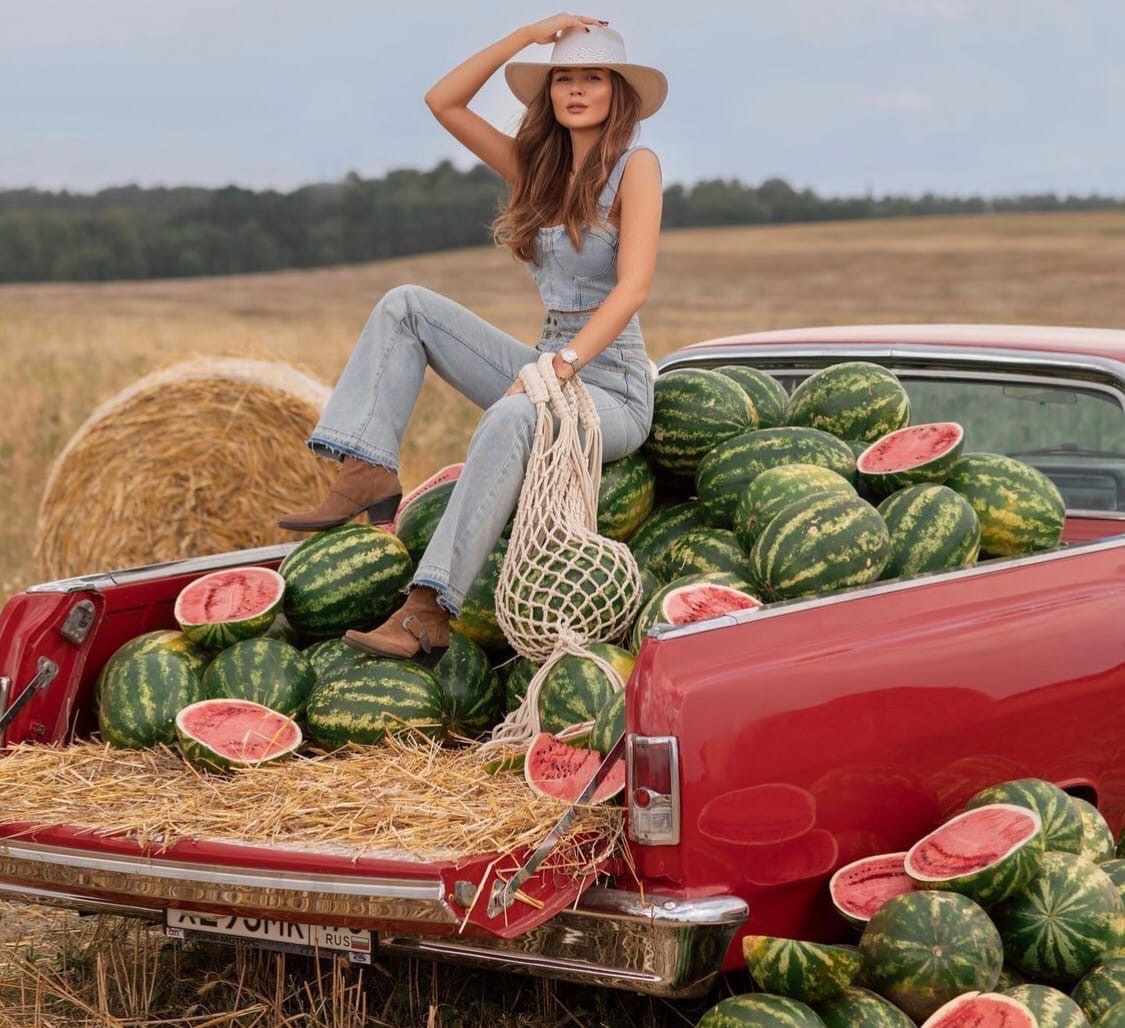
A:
x: 362, y: 702
x: 223, y: 734
x: 1062, y: 823
x: 818, y: 544
x: 766, y: 393
x: 694, y: 409
x: 852, y: 400
x: 988, y: 853
x: 265, y: 671
x: 609, y: 725
x: 922, y: 949
x: 421, y: 509
x: 1115, y: 868
x: 760, y: 1010
x: 1049, y: 1007
x: 519, y: 675
x: 471, y: 691
x: 856, y: 1007
x: 808, y: 971
x: 662, y: 527
x: 981, y: 1010
x: 1063, y: 922
x: 1101, y: 988
x: 142, y: 688
x: 860, y: 888
x: 1097, y: 838
x: 727, y: 470
x: 911, y: 456
x: 724, y: 593
x: 1020, y: 509
x: 625, y: 496
x: 556, y: 770
x: 346, y: 577
x: 576, y: 688
x: 166, y: 640
x: 700, y: 551
x: 1114, y: 1017
x: 225, y: 606
x: 777, y: 487
x: 1009, y: 979
x: 931, y: 528
x: 477, y: 617
x: 324, y: 654
x: 1121, y: 844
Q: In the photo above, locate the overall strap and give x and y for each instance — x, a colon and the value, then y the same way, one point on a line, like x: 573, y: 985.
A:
x: 609, y: 193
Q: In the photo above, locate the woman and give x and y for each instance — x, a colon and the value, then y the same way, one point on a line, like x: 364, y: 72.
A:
x: 584, y: 213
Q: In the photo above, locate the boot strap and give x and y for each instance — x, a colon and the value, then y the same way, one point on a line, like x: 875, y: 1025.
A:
x: 418, y: 630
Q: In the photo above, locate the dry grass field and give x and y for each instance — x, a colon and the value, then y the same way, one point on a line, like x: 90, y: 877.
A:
x: 67, y: 348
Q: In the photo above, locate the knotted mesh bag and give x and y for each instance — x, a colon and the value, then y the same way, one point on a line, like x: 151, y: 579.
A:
x: 562, y: 585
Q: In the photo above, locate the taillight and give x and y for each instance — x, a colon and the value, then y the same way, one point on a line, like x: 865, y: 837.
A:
x: 654, y: 789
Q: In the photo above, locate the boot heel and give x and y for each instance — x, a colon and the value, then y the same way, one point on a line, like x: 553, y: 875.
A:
x: 383, y: 511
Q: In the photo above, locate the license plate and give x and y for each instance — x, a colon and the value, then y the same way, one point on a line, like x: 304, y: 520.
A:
x: 288, y: 936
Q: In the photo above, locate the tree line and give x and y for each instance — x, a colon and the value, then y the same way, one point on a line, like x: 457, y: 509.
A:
x: 131, y: 232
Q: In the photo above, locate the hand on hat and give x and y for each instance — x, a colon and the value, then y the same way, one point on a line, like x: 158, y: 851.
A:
x: 549, y: 29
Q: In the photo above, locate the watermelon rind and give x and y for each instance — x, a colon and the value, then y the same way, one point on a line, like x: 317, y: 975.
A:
x: 766, y: 393
x: 883, y: 874
x: 477, y: 617
x: 1097, y: 836
x: 701, y: 551
x: 609, y: 725
x: 1114, y: 1017
x: 142, y: 688
x: 1062, y: 823
x: 576, y: 687
x: 471, y: 691
x: 1065, y: 920
x: 857, y: 1007
x: 279, y: 731
x: 931, y: 528
x: 650, y: 614
x: 1050, y: 1007
x: 519, y: 674
x: 1101, y: 987
x: 416, y: 523
x: 226, y: 589
x: 760, y: 1010
x: 941, y: 442
x: 962, y: 844
x: 662, y: 527
x: 559, y: 770
x: 924, y: 948
x: 167, y: 640
x: 851, y: 400
x: 626, y: 493
x: 776, y: 488
x: 981, y: 1008
x: 809, y: 971
x: 265, y: 671
x: 1115, y: 868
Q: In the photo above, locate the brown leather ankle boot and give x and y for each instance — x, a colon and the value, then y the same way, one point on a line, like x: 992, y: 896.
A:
x: 359, y: 487
x: 418, y: 630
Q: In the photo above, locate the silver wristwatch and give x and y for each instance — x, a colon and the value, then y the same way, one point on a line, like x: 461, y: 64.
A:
x: 571, y: 358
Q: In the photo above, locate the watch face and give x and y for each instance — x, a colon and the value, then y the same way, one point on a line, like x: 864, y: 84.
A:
x: 568, y: 355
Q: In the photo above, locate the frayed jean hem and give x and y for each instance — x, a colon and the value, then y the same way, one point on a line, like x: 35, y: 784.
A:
x: 444, y: 593
x: 332, y: 448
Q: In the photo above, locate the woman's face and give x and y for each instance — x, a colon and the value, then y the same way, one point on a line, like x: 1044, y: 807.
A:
x: 580, y: 96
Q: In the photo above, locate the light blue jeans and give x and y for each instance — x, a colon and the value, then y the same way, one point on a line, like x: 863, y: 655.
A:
x: 412, y: 328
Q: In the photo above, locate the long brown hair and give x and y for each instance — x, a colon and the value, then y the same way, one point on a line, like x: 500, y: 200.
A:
x: 544, y: 157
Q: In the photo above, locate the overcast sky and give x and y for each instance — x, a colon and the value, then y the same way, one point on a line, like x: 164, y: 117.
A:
x: 989, y: 97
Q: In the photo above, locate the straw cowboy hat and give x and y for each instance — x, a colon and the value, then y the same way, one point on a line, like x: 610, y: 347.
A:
x: 601, y: 47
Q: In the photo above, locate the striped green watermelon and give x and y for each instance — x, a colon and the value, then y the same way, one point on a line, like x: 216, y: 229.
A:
x: 701, y: 551
x: 1114, y: 1017
x: 576, y: 688
x: 819, y: 544
x: 856, y: 1007
x: 911, y: 456
x: 265, y: 671
x: 727, y: 470
x: 1115, y: 868
x: 609, y: 725
x: 663, y: 526
x: 477, y: 618
x: 1050, y: 1007
x: 766, y: 393
x: 1101, y: 987
x: 1062, y: 824
x: 327, y: 652
x: 982, y: 1009
x: 694, y: 409
x: 852, y: 400
x: 519, y: 675
x: 988, y: 853
x: 1020, y: 509
x: 471, y: 690
x: 760, y: 1010
x: 924, y: 948
x: 1009, y: 979
x: 218, y: 609
x: 777, y: 487
x: 226, y: 733
x: 860, y: 888
x: 932, y: 528
x: 1063, y: 922
x: 361, y: 703
x: 625, y: 496
x: 142, y: 688
x: 1097, y: 837
x: 346, y: 577
x: 166, y: 640
x: 809, y: 971
x: 1121, y: 844
x: 421, y: 510
x: 655, y: 612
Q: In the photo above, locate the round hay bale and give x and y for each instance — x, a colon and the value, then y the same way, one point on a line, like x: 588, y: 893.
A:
x: 197, y: 458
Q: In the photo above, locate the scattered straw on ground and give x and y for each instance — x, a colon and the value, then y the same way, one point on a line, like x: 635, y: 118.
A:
x: 407, y: 797
x: 197, y: 458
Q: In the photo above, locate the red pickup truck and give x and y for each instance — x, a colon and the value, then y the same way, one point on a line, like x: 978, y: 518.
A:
x: 765, y: 748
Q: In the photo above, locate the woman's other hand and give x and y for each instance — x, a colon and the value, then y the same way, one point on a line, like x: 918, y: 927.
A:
x: 515, y: 388
x: 547, y: 30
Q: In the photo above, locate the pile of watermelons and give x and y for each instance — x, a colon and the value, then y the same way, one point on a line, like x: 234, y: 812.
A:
x: 1011, y: 914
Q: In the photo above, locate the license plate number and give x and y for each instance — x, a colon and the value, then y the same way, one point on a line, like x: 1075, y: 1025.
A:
x: 289, y: 936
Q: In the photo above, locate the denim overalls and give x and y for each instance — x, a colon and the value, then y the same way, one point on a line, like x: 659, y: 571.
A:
x: 412, y: 328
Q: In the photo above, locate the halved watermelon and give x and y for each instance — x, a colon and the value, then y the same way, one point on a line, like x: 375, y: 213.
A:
x: 559, y: 771
x: 225, y: 606
x: 219, y: 735
x: 860, y: 888
x: 450, y: 473
x: 920, y: 453
x: 693, y: 598
x: 982, y: 1010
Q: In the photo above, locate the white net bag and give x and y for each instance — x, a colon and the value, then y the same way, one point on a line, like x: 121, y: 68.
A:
x: 562, y: 584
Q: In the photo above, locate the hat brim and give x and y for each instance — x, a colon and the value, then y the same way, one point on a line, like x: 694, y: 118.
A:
x: 526, y: 78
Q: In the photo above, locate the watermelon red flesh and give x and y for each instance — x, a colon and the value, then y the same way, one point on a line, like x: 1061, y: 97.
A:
x: 238, y: 731
x: 229, y: 605
x: 698, y: 602
x: 557, y: 770
x: 920, y: 453
x: 982, y: 1010
x: 860, y: 888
